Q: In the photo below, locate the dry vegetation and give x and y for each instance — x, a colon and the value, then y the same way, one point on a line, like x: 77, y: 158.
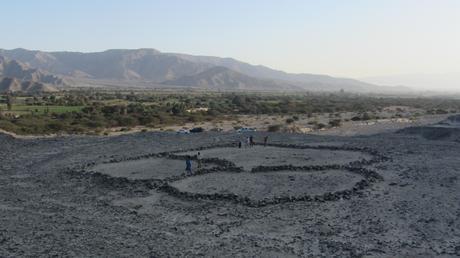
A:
x: 102, y: 112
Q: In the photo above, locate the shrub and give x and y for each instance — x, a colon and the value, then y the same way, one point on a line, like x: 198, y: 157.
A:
x: 320, y: 126
x: 356, y: 118
x: 441, y: 111
x: 366, y: 116
x: 274, y: 128
x: 335, y: 123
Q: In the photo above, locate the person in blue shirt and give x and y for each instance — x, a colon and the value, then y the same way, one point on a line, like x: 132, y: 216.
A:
x: 188, y: 166
x: 251, y: 141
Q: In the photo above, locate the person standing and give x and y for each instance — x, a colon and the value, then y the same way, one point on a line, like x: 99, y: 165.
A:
x: 265, y: 140
x: 248, y: 142
x: 188, y: 166
x: 198, y: 160
x: 251, y: 141
x: 240, y: 144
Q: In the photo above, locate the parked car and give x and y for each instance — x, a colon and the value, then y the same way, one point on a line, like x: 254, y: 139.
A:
x: 246, y: 129
x: 183, y: 131
x: 197, y: 130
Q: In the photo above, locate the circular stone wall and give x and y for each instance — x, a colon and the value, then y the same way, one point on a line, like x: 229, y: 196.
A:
x: 256, y: 176
x: 268, y: 185
x: 255, y: 156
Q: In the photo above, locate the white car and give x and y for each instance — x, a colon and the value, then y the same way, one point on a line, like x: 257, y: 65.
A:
x: 183, y: 131
x: 246, y: 129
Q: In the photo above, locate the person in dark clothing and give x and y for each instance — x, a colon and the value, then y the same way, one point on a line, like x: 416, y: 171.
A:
x: 188, y: 166
x: 240, y: 144
x: 265, y: 140
x: 251, y: 141
x: 198, y: 160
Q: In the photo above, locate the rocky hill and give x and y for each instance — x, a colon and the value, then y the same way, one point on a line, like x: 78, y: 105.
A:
x: 8, y: 84
x: 222, y: 78
x: 306, y: 81
x: 150, y: 65
x: 16, y: 76
x: 116, y: 64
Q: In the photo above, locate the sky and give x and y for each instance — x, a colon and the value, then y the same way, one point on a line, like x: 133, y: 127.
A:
x: 353, y: 38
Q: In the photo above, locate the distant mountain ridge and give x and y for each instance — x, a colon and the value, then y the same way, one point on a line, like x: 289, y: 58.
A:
x: 8, y: 84
x: 16, y: 69
x: 150, y: 65
x: 308, y: 81
x: 16, y: 76
x: 222, y: 78
x: 115, y: 64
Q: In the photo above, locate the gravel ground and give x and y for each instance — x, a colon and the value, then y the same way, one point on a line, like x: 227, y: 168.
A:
x: 46, y: 210
x: 250, y: 157
x: 151, y: 168
x: 352, y: 128
x: 267, y: 185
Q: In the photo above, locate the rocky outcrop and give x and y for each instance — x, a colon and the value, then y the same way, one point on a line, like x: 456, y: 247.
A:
x: 17, y: 76
x: 15, y: 85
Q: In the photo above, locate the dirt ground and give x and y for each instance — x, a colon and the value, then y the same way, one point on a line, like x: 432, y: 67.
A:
x: 260, y: 186
x: 250, y: 157
x: 49, y: 208
x: 352, y: 128
x: 387, y: 123
x: 151, y: 168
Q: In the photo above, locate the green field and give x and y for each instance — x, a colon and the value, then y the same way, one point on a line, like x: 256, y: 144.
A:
x: 26, y: 109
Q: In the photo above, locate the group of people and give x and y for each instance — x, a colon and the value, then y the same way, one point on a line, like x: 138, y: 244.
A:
x: 250, y: 142
x: 188, y: 160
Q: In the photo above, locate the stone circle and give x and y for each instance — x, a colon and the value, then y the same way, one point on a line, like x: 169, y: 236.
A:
x: 256, y: 176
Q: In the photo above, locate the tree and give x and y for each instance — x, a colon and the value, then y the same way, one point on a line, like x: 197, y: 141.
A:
x: 177, y: 109
x: 289, y: 121
x: 366, y: 116
x: 52, y: 98
x: 9, y: 102
x: 238, y: 100
x: 320, y: 126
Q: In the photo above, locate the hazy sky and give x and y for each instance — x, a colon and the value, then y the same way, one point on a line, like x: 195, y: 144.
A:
x: 343, y: 38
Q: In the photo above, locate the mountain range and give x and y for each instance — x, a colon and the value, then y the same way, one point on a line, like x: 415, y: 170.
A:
x: 9, y: 84
x: 16, y: 76
x: 220, y: 77
x: 152, y: 68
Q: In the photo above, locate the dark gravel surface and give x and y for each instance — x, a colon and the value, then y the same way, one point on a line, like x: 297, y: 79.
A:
x: 48, y: 210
